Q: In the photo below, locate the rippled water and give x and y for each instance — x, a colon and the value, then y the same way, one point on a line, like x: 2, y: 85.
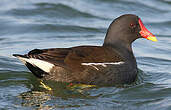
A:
x: 29, y: 24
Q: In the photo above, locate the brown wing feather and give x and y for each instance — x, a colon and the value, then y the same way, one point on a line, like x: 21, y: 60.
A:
x: 90, y: 54
x: 71, y: 58
x: 55, y: 56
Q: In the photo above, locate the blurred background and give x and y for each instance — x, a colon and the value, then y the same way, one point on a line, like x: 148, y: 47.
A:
x: 29, y: 24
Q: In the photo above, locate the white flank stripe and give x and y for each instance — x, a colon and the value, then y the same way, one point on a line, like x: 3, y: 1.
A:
x: 45, y: 66
x: 102, y: 64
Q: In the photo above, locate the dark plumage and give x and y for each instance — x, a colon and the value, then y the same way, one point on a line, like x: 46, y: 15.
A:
x: 110, y: 64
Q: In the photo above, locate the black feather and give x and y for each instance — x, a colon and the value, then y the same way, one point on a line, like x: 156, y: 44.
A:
x: 35, y: 52
x: 35, y: 70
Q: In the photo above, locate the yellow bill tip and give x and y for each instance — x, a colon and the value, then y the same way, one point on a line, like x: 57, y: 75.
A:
x: 152, y: 38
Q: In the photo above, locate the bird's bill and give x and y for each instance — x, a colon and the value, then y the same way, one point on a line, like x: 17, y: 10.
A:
x: 146, y: 33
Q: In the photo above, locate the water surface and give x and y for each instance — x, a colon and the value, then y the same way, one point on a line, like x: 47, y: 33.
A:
x: 29, y: 24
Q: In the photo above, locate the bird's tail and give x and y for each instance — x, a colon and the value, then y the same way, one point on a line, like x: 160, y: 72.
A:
x: 38, y: 72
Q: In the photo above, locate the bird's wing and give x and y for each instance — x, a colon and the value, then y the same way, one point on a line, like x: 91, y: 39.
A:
x: 76, y: 58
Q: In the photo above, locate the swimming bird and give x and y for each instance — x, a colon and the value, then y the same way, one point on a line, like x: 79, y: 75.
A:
x: 110, y: 64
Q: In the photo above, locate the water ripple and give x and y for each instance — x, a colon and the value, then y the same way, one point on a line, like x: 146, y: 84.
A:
x: 30, y: 24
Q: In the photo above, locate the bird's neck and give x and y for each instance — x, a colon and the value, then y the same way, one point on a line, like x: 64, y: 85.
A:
x: 124, y: 49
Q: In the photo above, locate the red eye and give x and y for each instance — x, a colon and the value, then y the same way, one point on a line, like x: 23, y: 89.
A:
x: 132, y: 25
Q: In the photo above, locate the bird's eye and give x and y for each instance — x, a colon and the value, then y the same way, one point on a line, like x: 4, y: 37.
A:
x: 132, y: 25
